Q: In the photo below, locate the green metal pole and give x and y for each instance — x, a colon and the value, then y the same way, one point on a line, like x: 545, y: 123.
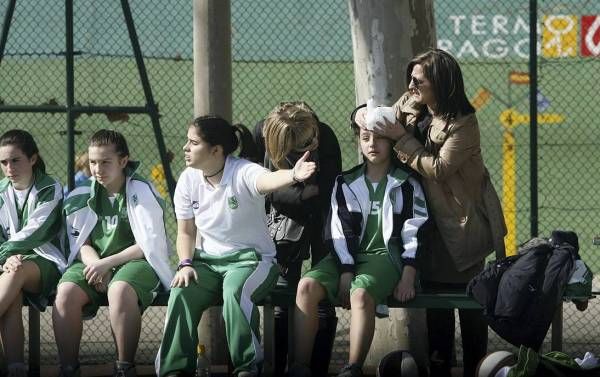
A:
x: 150, y: 104
x: 10, y: 9
x: 70, y: 94
x: 533, y: 142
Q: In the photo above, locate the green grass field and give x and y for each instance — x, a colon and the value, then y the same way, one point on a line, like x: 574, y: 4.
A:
x: 568, y: 152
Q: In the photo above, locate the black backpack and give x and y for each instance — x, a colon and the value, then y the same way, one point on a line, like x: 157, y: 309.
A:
x: 521, y: 293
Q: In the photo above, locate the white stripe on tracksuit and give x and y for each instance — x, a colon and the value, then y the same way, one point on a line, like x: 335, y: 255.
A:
x: 254, y: 281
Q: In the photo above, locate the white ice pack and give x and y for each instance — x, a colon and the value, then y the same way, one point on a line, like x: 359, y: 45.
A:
x: 378, y: 114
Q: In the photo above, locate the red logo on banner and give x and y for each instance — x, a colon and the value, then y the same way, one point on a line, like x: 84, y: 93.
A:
x: 590, y: 35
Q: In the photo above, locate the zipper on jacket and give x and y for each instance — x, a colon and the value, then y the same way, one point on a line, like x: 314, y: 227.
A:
x: 395, y: 262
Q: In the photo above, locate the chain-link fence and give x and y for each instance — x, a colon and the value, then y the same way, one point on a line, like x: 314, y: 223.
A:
x: 285, y: 50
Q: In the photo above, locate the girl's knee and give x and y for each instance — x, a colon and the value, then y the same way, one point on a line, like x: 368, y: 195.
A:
x: 309, y: 290
x: 361, y: 298
x: 181, y: 297
x: 69, y: 295
x: 121, y: 292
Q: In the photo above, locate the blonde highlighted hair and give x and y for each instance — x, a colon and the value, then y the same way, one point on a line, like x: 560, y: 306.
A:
x: 82, y: 163
x: 291, y: 126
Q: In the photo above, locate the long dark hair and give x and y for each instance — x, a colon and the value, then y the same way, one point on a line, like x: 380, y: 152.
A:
x: 444, y: 73
x: 215, y: 130
x: 25, y: 142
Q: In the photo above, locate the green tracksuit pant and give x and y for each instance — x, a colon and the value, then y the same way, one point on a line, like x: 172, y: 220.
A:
x: 241, y: 279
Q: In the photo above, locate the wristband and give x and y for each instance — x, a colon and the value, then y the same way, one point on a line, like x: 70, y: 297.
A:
x: 296, y: 180
x: 187, y: 262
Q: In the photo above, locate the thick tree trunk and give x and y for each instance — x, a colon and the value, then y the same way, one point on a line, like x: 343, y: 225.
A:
x: 386, y: 34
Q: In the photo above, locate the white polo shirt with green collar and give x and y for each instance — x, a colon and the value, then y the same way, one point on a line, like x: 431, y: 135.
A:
x: 231, y: 215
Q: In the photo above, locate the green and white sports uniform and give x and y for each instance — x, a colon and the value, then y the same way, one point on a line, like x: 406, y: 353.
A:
x: 235, y: 262
x: 31, y: 225
x: 111, y: 235
x: 135, y: 215
x: 374, y: 230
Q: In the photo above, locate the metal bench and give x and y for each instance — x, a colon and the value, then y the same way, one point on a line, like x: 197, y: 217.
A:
x: 279, y: 297
x: 276, y: 298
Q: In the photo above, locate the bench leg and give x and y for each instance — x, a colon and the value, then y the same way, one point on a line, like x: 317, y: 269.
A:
x: 268, y: 340
x: 291, y: 343
x: 557, y: 329
x: 34, y: 342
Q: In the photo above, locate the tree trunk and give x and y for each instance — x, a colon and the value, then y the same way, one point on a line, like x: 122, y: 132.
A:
x: 386, y: 34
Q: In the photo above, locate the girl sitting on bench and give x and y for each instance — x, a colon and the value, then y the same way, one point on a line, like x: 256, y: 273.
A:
x: 373, y: 232
x: 118, y: 251
x: 30, y: 252
x: 222, y: 198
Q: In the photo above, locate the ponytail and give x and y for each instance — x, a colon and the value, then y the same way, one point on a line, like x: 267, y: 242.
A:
x: 215, y: 130
x: 248, y: 148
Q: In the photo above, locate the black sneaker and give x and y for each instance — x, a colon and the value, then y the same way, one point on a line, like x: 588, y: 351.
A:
x: 69, y: 371
x: 124, y: 369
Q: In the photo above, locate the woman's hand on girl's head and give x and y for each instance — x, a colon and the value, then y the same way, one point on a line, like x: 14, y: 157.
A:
x: 303, y: 169
x: 391, y: 130
x: 184, y: 277
x: 13, y: 263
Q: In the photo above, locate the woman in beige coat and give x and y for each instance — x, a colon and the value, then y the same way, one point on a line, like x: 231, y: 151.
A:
x: 437, y: 135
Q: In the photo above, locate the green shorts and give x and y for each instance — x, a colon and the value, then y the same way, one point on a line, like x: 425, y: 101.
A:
x: 137, y: 273
x: 374, y: 272
x: 49, y: 276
